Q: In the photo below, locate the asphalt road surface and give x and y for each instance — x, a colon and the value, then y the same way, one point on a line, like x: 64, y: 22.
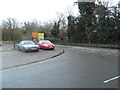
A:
x: 78, y: 67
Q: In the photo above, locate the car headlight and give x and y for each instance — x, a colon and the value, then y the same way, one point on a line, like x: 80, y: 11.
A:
x: 45, y: 45
x: 26, y: 47
x: 37, y: 46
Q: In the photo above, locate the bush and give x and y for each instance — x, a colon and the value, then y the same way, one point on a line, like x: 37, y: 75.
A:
x: 54, y: 40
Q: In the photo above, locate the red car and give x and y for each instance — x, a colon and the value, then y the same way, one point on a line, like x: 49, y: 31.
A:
x: 46, y: 44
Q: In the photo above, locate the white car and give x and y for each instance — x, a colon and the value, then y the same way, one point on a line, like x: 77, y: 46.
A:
x: 28, y: 45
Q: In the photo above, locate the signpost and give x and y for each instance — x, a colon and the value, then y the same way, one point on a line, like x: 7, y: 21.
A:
x: 40, y: 36
x: 34, y: 34
x: 35, y: 37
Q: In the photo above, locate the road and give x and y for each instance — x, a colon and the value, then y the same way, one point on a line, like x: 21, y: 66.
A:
x: 78, y: 67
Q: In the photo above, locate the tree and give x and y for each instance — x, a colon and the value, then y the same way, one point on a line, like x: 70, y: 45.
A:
x: 71, y: 28
x: 55, y: 29
x: 46, y: 29
x: 107, y: 23
x: 10, y: 29
x: 63, y: 26
x: 87, y: 13
x: 62, y: 19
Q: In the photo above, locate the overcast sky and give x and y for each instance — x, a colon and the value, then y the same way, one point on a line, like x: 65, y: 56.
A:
x: 42, y: 10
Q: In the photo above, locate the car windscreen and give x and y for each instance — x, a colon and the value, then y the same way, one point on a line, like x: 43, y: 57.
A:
x: 29, y: 43
x: 47, y: 42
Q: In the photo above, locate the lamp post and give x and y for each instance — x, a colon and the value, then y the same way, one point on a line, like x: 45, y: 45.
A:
x: 83, y: 3
x: 119, y: 7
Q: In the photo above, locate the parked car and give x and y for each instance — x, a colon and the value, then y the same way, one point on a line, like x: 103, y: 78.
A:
x: 28, y: 45
x: 46, y: 44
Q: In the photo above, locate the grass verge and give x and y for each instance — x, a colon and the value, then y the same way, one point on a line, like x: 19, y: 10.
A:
x: 6, y: 42
x: 112, y: 46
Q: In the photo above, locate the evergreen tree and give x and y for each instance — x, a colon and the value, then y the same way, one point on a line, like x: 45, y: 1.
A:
x: 55, y: 29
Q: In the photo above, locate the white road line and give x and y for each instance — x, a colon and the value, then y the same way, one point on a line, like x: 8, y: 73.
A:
x: 106, y: 81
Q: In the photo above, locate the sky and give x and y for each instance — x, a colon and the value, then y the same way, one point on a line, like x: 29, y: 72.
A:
x: 41, y: 10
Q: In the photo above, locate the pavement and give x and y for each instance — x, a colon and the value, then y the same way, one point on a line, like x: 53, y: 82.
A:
x: 6, y: 47
x: 13, y: 58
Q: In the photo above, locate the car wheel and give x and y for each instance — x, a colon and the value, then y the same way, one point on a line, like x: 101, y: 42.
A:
x: 43, y: 48
x: 19, y: 49
x: 52, y: 48
x: 37, y: 50
x: 39, y: 47
x: 24, y: 50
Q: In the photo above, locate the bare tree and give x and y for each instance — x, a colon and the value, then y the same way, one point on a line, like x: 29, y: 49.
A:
x: 62, y: 19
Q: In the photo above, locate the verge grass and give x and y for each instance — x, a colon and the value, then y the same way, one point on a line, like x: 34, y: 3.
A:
x: 6, y: 42
x: 116, y: 46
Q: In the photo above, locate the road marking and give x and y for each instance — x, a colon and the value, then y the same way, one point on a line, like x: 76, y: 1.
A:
x: 106, y: 81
